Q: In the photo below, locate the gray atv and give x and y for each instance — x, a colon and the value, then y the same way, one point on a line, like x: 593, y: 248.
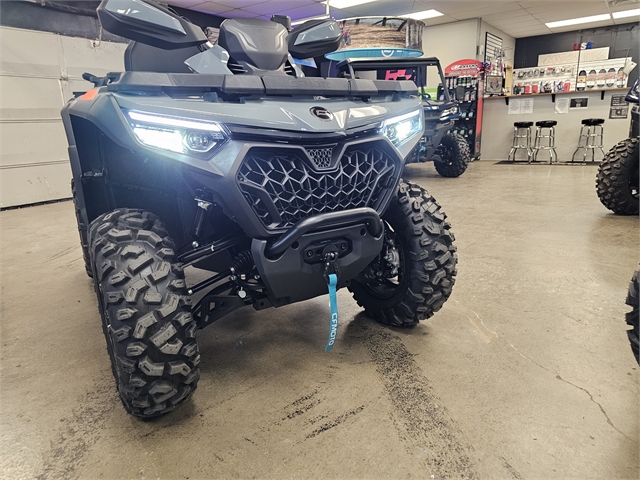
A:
x: 226, y: 158
x: 449, y: 151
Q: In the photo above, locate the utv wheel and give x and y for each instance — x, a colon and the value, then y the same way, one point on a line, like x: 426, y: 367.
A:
x: 415, y: 272
x: 82, y: 231
x: 146, y: 312
x: 617, y: 180
x: 452, y: 156
x: 632, y: 316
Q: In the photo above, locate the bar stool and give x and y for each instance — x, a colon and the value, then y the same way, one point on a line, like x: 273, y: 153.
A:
x: 517, y: 135
x: 593, y: 138
x: 549, y: 126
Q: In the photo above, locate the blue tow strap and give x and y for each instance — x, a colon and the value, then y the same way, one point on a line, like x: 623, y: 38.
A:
x: 333, y: 303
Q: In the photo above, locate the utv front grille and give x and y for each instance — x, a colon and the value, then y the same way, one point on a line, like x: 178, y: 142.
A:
x: 282, y: 187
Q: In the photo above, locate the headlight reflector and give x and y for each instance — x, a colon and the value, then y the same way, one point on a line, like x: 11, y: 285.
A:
x: 180, y: 135
x: 399, y: 130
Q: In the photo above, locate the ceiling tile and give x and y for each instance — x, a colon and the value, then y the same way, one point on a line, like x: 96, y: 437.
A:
x: 518, y: 25
x: 185, y: 3
x: 239, y: 3
x: 303, y: 12
x: 279, y: 6
x: 211, y: 7
x: 507, y: 16
x: 514, y: 17
x: 239, y: 13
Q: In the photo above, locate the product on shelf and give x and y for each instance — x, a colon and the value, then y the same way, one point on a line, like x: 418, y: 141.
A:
x: 582, y: 80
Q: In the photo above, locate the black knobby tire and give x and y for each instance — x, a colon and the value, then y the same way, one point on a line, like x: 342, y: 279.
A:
x: 428, y: 261
x: 146, y: 312
x: 617, y: 180
x: 632, y: 316
x: 83, y: 231
x: 452, y: 156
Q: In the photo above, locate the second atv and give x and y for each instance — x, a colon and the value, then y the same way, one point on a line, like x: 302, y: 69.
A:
x: 449, y: 151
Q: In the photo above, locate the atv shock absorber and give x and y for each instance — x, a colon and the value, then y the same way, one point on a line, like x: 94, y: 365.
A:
x: 243, y: 263
x: 204, y: 206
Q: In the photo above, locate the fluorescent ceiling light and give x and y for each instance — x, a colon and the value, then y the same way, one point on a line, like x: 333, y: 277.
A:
x: 576, y: 21
x: 346, y: 3
x: 626, y: 13
x: 423, y: 14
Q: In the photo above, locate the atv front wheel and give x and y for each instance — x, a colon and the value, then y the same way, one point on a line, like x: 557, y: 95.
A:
x: 617, y: 180
x: 452, y: 156
x: 632, y: 316
x: 415, y: 272
x: 146, y: 312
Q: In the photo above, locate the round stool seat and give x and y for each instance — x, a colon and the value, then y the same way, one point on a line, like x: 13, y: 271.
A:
x: 522, y: 124
x: 546, y: 123
x: 593, y: 121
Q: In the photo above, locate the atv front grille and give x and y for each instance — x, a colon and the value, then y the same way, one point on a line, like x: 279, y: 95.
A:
x: 321, y: 157
x: 282, y: 187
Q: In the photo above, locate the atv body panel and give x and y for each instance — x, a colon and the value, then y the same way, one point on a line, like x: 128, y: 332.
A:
x: 278, y: 164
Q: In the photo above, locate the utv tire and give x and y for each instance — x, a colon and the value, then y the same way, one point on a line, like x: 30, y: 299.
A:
x: 427, y: 260
x: 452, y: 156
x: 617, y: 180
x: 632, y: 316
x: 83, y: 231
x: 146, y: 312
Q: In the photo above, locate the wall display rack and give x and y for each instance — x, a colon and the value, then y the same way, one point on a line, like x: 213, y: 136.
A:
x: 466, y: 86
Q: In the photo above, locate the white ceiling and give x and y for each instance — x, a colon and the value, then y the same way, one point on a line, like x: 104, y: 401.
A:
x: 516, y: 18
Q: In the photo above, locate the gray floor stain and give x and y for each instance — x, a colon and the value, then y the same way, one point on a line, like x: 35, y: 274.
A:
x: 80, y: 431
x: 426, y: 423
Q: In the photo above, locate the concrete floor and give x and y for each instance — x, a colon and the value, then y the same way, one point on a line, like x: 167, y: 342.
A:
x: 525, y: 373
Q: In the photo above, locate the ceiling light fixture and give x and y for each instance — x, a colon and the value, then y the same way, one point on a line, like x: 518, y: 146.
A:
x: 577, y: 21
x: 423, y: 14
x: 626, y: 13
x: 346, y: 3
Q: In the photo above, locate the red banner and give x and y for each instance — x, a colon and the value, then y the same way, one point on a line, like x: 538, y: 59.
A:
x: 463, y: 68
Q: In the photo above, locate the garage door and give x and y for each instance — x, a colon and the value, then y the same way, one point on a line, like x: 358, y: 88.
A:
x: 39, y: 72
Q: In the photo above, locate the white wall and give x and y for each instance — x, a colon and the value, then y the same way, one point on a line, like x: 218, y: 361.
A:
x: 39, y: 72
x: 455, y: 41
x: 497, y: 125
x: 449, y: 43
x: 508, y: 42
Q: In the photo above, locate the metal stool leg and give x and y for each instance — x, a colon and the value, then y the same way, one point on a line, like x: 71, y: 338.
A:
x: 552, y: 144
x: 529, y: 149
x: 586, y: 147
x: 514, y: 143
x: 601, y: 143
x: 578, y: 148
x: 536, y: 146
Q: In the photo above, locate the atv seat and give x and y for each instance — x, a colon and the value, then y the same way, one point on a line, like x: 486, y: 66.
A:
x: 139, y: 57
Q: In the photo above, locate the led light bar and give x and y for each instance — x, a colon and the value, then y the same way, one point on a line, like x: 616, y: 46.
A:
x: 577, y: 21
x: 163, y: 121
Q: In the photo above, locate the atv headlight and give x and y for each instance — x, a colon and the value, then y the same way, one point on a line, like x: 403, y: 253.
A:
x: 176, y: 134
x: 399, y: 130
